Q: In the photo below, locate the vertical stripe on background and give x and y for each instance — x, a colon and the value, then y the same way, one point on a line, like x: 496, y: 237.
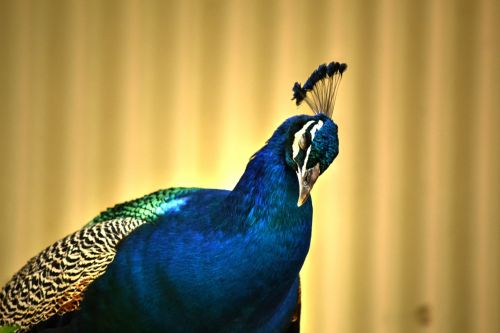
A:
x: 485, y: 233
x: 432, y: 312
x: 76, y: 124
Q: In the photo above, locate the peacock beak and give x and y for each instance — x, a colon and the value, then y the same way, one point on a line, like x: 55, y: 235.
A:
x: 306, y: 179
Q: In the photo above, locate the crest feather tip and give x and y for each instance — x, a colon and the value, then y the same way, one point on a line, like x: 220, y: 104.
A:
x: 320, y: 89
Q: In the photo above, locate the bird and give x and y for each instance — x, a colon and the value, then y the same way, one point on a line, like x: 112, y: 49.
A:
x: 192, y: 259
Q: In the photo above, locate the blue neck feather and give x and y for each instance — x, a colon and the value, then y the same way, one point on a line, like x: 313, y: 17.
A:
x: 265, y: 200
x: 268, y: 190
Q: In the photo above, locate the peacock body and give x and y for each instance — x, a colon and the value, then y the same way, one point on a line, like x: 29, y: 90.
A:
x: 191, y: 259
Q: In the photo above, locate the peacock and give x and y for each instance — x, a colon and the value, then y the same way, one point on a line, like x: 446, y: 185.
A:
x: 192, y: 259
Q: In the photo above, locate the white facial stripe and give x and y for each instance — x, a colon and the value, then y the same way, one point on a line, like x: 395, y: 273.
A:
x: 298, y: 135
x: 316, y: 128
x: 303, y: 169
x: 313, y: 133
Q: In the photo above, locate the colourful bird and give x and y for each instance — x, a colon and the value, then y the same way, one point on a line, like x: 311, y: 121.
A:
x: 191, y: 259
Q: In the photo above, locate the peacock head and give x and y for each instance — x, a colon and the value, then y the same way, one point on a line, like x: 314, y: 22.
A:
x: 312, y: 141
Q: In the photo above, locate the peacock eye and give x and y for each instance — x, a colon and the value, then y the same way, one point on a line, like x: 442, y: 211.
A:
x: 305, y: 141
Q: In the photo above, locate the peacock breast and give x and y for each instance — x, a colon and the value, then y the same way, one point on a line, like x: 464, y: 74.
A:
x: 190, y: 270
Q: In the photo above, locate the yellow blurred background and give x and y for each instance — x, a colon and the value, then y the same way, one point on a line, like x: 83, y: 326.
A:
x: 104, y: 101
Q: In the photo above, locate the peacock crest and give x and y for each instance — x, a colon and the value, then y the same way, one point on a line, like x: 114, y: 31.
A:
x: 320, y: 89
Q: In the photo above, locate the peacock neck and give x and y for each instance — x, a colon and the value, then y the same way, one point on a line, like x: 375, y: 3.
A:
x: 277, y: 232
x: 268, y: 190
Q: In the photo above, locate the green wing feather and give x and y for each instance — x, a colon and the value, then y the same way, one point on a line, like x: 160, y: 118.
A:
x: 146, y: 208
x: 8, y: 329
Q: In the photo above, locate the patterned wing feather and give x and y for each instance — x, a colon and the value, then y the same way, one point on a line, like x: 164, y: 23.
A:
x: 53, y: 282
